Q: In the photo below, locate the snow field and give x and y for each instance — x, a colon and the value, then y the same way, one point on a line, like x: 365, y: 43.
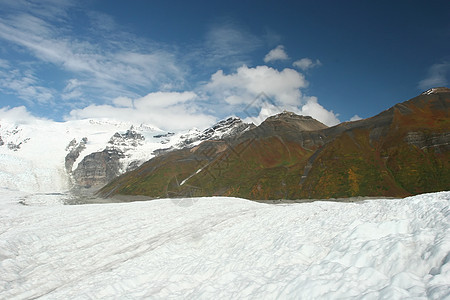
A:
x: 39, y: 164
x: 226, y: 248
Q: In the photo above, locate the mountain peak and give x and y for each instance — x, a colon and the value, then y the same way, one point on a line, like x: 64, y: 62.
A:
x: 303, y: 123
x: 289, y: 115
x: 436, y: 90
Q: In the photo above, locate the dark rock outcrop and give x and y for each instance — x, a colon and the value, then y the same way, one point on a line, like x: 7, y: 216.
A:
x: 98, y: 168
x: 75, y: 150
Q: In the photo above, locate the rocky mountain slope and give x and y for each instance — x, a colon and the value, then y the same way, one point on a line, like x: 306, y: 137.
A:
x: 401, y: 151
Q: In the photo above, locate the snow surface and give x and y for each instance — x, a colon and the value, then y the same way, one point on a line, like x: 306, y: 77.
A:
x: 209, y: 248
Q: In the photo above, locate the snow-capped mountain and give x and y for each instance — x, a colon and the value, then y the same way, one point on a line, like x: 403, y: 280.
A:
x: 47, y: 156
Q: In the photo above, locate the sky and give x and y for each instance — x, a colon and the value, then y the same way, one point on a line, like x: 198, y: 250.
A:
x: 183, y: 64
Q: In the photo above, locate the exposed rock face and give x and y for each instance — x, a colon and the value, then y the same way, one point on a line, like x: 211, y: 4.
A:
x: 1, y: 141
x: 98, y: 168
x: 75, y: 150
x: 433, y: 140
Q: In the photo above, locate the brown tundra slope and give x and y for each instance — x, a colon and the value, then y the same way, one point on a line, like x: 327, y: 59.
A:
x: 401, y: 151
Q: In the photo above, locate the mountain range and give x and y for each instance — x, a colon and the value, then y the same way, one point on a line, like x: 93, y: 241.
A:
x: 43, y: 156
x: 401, y: 151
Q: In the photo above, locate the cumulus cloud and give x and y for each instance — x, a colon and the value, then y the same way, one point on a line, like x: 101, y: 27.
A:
x: 246, y: 83
x: 264, y: 109
x: 18, y: 115
x: 276, y: 54
x: 310, y: 107
x: 314, y: 109
x: 355, y: 118
x: 306, y: 63
x: 123, y: 102
x: 172, y: 111
x: 243, y: 89
x: 437, y: 76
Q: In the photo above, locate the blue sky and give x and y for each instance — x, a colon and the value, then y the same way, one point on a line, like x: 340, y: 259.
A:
x: 180, y: 64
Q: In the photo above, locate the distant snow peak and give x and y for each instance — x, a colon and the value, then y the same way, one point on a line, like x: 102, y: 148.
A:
x: 130, y: 138
x: 12, y: 136
x: 226, y: 128
x: 436, y: 90
x: 121, y: 124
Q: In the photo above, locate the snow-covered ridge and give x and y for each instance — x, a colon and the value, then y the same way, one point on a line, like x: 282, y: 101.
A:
x: 41, y: 157
x: 436, y: 90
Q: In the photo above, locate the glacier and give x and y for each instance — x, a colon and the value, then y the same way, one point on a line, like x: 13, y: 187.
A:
x: 32, y: 158
x: 222, y: 247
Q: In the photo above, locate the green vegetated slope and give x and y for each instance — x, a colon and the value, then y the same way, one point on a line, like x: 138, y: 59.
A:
x: 402, y: 151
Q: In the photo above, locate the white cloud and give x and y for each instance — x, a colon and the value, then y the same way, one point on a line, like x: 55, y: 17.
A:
x: 266, y: 109
x: 246, y: 83
x: 283, y: 88
x: 164, y: 99
x: 123, y: 102
x: 314, y: 109
x: 72, y: 90
x: 26, y: 86
x: 72, y: 84
x: 112, y: 68
x: 355, y: 118
x: 108, y: 67
x: 306, y: 63
x: 173, y: 111
x: 18, y: 115
x: 311, y: 108
x: 276, y: 54
x: 437, y: 76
